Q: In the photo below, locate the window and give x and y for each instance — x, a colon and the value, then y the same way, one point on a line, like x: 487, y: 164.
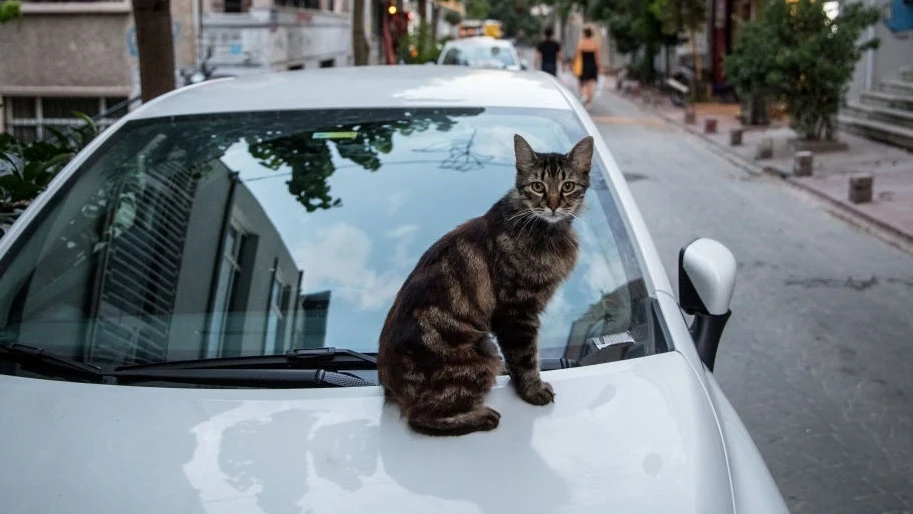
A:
x: 27, y: 117
x: 306, y: 4
x: 452, y: 56
x: 275, y: 318
x: 232, y: 6
x: 229, y: 270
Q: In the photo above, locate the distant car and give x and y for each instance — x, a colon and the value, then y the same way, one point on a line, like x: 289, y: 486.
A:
x: 189, y: 315
x: 482, y: 52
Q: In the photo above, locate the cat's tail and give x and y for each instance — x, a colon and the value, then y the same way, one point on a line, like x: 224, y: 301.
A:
x: 480, y: 419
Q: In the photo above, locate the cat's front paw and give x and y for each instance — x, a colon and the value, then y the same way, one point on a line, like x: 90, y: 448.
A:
x: 539, y: 394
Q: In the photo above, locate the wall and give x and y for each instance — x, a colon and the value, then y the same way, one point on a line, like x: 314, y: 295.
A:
x: 276, y: 39
x: 66, y: 53
x: 894, y: 53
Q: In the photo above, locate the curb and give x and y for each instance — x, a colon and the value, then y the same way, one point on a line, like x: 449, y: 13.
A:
x: 885, y: 231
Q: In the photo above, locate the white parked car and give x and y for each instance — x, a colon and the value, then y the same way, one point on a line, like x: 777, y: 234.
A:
x: 482, y: 52
x: 189, y: 315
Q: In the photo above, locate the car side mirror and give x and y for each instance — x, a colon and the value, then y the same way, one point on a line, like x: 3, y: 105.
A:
x: 706, y: 279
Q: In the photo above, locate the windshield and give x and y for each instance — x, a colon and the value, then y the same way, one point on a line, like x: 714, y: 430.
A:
x: 250, y: 234
x: 481, y: 54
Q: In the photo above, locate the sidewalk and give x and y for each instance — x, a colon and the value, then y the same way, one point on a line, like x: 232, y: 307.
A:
x: 891, y: 208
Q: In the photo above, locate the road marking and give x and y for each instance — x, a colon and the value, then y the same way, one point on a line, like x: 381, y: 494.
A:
x: 608, y: 120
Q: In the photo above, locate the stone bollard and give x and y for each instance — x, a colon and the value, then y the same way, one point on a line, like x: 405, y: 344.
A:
x: 861, y: 188
x: 735, y: 136
x: 802, y: 164
x: 690, y: 116
x: 765, y: 149
x: 709, y: 125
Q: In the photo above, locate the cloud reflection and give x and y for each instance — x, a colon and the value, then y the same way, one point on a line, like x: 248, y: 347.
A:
x: 338, y: 259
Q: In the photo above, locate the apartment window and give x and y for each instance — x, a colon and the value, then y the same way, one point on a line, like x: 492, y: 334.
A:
x: 229, y: 270
x: 275, y: 317
x: 27, y: 116
x: 306, y: 4
x: 232, y: 6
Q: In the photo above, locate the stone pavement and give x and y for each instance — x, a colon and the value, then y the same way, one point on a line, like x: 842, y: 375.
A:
x: 891, y: 208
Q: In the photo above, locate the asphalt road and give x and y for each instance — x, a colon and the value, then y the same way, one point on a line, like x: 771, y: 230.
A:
x: 818, y: 356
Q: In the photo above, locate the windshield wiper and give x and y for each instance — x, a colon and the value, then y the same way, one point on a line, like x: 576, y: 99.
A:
x: 296, y: 358
x: 218, y: 372
x: 241, y: 377
x: 33, y: 357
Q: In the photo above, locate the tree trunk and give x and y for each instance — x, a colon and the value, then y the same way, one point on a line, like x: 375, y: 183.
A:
x: 435, y: 19
x: 152, y: 19
x: 360, y: 47
x: 423, y: 11
x: 698, y: 72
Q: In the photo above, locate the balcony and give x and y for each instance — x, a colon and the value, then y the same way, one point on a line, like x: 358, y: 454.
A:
x: 75, y: 6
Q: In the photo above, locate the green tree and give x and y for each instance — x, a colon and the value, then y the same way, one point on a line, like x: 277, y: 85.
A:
x: 683, y: 15
x: 10, y: 9
x: 476, y: 9
x: 746, y: 69
x: 801, y: 57
x: 515, y: 16
x: 360, y: 48
x: 636, y: 31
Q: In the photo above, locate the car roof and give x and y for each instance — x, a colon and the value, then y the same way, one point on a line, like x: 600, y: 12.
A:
x: 363, y: 87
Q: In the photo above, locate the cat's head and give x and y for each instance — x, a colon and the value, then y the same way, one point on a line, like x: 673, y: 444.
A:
x: 552, y: 185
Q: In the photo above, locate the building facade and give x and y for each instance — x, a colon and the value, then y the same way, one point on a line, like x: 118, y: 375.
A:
x: 66, y: 56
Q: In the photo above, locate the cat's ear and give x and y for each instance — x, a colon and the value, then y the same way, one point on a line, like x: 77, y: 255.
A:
x: 581, y: 156
x: 526, y: 157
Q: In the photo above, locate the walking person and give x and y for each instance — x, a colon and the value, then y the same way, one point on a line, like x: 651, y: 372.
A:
x: 547, y: 53
x: 586, y: 65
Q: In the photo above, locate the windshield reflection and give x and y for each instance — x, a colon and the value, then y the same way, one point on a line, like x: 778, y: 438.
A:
x: 254, y: 233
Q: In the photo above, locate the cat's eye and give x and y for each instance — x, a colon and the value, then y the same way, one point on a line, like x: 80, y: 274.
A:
x: 537, y: 187
x: 567, y: 187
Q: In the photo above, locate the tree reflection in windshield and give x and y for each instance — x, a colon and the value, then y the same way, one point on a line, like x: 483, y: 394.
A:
x: 310, y: 158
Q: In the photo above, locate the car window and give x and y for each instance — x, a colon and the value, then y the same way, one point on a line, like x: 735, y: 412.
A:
x: 253, y: 233
x: 451, y: 56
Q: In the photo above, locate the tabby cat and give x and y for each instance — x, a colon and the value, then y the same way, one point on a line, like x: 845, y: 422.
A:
x: 491, y: 275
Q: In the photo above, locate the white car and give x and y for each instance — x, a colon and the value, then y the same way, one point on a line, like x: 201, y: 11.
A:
x: 482, y: 52
x: 189, y: 315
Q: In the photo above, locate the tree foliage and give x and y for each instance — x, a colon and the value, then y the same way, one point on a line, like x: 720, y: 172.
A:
x: 677, y: 16
x: 796, y: 54
x: 10, y: 9
x: 515, y: 16
x: 26, y: 168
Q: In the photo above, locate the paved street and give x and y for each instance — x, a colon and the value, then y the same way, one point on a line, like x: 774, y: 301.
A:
x: 818, y: 357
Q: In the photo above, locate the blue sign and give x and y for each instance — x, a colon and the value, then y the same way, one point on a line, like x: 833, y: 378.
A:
x: 901, y: 17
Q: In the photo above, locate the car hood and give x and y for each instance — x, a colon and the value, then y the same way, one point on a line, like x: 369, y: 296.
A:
x: 625, y: 437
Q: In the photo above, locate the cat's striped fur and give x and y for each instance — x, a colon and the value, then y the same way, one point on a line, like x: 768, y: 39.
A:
x: 492, y: 274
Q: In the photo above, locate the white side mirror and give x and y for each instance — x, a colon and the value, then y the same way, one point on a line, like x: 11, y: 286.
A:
x: 706, y: 280
x: 707, y: 272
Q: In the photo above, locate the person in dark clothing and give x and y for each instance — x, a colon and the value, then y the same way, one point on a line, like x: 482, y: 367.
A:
x: 547, y: 53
